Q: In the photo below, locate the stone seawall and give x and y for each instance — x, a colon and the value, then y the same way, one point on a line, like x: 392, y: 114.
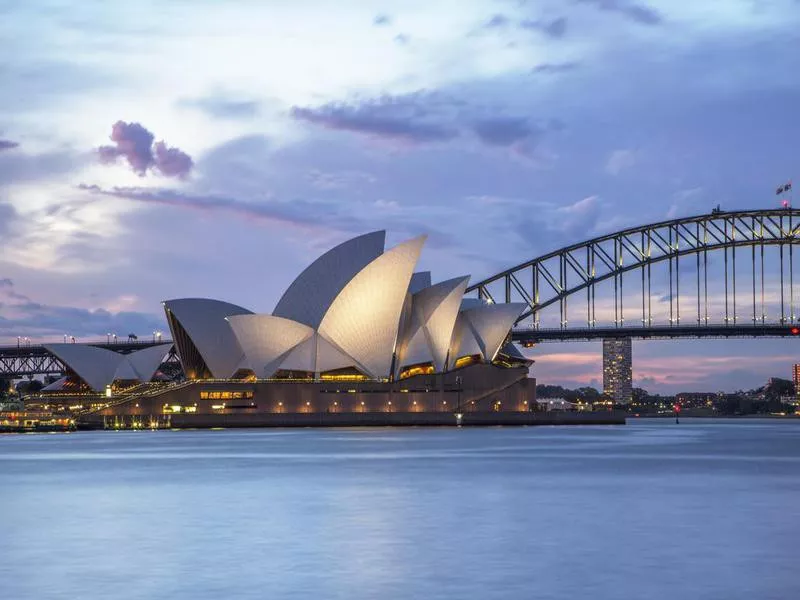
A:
x: 369, y: 419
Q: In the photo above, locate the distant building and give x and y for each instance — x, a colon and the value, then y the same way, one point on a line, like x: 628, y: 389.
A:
x: 618, y: 370
x: 796, y: 379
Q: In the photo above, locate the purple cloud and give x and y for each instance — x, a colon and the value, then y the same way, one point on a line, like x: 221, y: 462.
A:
x: 8, y: 145
x: 172, y: 162
x: 634, y: 11
x: 135, y: 143
x: 424, y: 118
x: 398, y: 118
x: 504, y: 131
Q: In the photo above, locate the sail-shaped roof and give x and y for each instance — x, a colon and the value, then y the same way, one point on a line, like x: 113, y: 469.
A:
x: 309, y: 296
x: 266, y: 340
x: 419, y: 281
x: 434, y: 311
x: 203, y: 321
x: 145, y: 362
x: 96, y: 366
x: 490, y: 324
x: 363, y: 319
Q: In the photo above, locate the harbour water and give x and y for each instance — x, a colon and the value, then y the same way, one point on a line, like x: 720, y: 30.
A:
x: 652, y: 510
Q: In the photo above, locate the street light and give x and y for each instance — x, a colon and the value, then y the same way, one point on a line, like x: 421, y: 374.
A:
x: 115, y: 337
x: 65, y: 338
x: 18, y: 340
x: 108, y: 338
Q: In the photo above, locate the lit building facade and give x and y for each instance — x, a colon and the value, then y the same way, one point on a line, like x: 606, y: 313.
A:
x: 358, y: 331
x: 796, y: 379
x: 618, y: 370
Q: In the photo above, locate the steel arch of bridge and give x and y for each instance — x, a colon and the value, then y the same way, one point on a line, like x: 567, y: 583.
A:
x: 555, y: 277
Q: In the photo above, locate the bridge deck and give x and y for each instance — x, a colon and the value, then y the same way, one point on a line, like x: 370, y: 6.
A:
x: 653, y: 332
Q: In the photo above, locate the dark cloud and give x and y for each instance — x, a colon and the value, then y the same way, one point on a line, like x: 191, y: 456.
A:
x: 134, y: 142
x: 552, y: 68
x: 382, y: 20
x: 505, y: 131
x: 24, y: 316
x: 640, y: 13
x: 220, y: 107
x: 411, y: 118
x: 423, y: 118
x: 8, y: 145
x: 556, y: 28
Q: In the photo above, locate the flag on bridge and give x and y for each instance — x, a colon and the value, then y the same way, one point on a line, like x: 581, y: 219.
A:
x: 783, y: 188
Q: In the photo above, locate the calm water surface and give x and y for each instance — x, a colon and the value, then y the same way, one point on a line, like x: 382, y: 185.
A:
x: 705, y: 509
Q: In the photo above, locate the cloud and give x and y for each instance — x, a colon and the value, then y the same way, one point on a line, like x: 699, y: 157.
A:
x: 620, y: 160
x: 410, y: 118
x: 19, y: 167
x: 556, y: 28
x: 421, y: 118
x: 20, y: 315
x: 134, y: 142
x: 382, y: 20
x: 297, y: 213
x: 402, y: 39
x: 552, y: 68
x: 640, y: 13
x: 220, y: 107
x: 8, y: 145
x: 507, y: 132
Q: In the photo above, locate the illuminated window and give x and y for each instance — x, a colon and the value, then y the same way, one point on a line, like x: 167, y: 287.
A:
x: 419, y: 369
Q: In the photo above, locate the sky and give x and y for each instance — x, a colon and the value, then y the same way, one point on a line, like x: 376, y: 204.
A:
x: 175, y: 148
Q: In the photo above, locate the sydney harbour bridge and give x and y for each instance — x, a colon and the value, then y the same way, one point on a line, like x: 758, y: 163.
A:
x: 723, y: 274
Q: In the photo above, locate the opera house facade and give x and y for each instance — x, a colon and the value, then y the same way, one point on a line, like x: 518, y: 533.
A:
x: 359, y: 332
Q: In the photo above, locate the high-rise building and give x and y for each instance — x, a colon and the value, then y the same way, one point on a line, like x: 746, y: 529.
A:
x: 618, y: 370
x: 796, y: 379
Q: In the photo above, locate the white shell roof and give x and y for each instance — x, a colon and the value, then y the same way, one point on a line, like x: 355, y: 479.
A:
x: 419, y: 281
x: 267, y: 340
x: 490, y: 325
x: 434, y: 311
x: 364, y: 318
x: 145, y: 362
x: 56, y: 386
x: 464, y: 342
x: 204, y: 322
x: 308, y: 297
x: 99, y: 367
x: 96, y: 366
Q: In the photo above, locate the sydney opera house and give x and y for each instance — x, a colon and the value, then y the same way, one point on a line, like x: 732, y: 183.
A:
x: 359, y: 332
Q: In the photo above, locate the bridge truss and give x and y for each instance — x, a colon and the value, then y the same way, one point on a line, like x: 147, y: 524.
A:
x: 750, y: 255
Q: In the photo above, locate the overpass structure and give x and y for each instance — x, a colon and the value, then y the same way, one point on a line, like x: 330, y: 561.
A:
x: 718, y: 275
x: 29, y: 360
x: 677, y: 278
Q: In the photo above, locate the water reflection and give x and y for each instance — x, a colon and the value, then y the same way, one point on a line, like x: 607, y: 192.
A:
x: 650, y: 510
